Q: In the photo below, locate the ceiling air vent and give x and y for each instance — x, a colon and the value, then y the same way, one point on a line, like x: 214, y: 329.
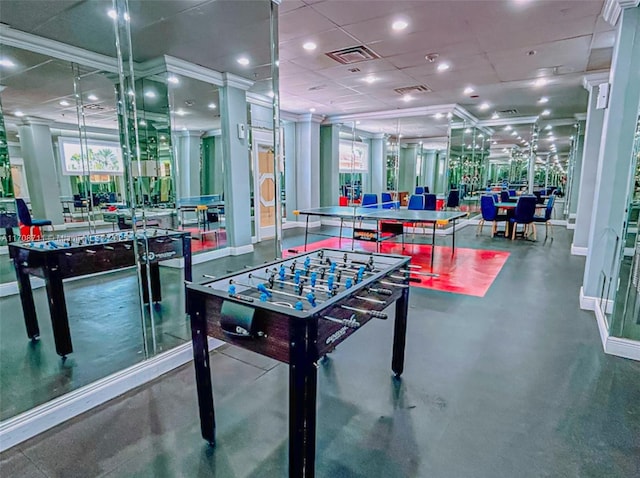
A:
x: 412, y: 89
x: 354, y: 54
x: 510, y: 112
x: 94, y: 107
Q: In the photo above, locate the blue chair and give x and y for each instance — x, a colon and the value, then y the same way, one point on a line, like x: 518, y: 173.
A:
x: 370, y: 200
x: 24, y: 216
x: 546, y: 219
x: 489, y: 212
x: 453, y: 199
x: 504, y: 196
x: 419, y: 190
x: 416, y: 202
x: 430, y: 201
x: 525, y: 210
x: 388, y: 202
x: 426, y: 190
x: 512, y: 193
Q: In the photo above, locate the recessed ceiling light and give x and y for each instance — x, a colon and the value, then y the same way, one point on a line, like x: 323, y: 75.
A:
x: 443, y: 67
x: 244, y: 61
x: 369, y: 79
x: 546, y: 113
x: 494, y: 142
x: 180, y: 112
x: 438, y: 116
x: 92, y: 97
x: 485, y: 106
x: 173, y: 80
x: 507, y: 128
x: 514, y: 133
x: 6, y: 62
x: 468, y: 130
x: 540, y: 82
x: 19, y: 114
x: 519, y: 137
x: 399, y: 25
x: 407, y: 98
x: 112, y: 14
x: 495, y: 115
x: 184, y: 128
x: 310, y: 46
x: 313, y: 110
x: 543, y: 100
x: 548, y: 127
x: 468, y: 90
x: 212, y: 106
x: 150, y: 94
x: 449, y: 115
x: 64, y: 103
x: 571, y: 137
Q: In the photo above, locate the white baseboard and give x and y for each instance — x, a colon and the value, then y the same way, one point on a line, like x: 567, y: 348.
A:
x: 558, y: 222
x: 37, y: 420
x: 579, y: 250
x: 571, y: 225
x: 573, y: 215
x: 591, y: 303
x: 237, y: 251
x: 629, y: 349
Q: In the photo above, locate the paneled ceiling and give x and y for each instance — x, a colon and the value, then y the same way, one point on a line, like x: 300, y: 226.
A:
x: 499, y: 48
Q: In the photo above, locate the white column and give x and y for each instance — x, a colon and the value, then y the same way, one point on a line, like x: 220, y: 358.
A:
x: 237, y: 193
x: 614, y: 165
x: 40, y: 170
x: 188, y: 159
x: 378, y: 166
x: 590, y: 153
x: 308, y: 161
x: 329, y: 158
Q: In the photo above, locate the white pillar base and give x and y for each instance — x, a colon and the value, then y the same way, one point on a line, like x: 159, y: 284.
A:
x: 579, y: 251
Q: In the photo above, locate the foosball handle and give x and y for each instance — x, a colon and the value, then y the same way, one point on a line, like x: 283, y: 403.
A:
x: 378, y: 315
x: 381, y: 291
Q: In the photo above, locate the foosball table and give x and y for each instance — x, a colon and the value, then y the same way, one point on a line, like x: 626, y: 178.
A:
x: 74, y: 256
x: 297, y: 310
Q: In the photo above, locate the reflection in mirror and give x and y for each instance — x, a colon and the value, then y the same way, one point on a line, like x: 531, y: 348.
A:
x: 625, y: 319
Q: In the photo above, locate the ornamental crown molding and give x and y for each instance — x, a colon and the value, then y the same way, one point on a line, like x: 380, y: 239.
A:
x: 235, y: 81
x: 612, y: 9
x: 594, y: 79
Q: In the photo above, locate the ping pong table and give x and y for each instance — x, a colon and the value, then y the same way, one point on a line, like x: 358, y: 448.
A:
x: 389, y: 222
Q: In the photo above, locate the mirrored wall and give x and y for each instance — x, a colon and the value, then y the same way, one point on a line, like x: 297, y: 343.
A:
x: 123, y: 150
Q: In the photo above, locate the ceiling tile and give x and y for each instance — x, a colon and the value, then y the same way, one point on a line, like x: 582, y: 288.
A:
x: 300, y: 22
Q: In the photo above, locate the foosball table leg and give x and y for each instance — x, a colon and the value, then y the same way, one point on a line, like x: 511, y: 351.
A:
x: 400, y: 332
x: 303, y: 377
x: 203, y: 371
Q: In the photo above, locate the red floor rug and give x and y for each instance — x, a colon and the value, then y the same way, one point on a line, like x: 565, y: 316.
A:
x: 468, y: 271
x: 206, y: 242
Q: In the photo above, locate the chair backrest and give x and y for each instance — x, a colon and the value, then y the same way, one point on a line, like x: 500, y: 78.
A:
x: 23, y: 212
x: 488, y: 207
x: 453, y: 199
x: 496, y: 197
x: 430, y: 202
x: 419, y: 190
x: 416, y: 201
x: 504, y: 196
x: 387, y: 201
x: 426, y: 190
x: 512, y: 193
x: 549, y: 210
x: 525, y: 209
x: 369, y: 200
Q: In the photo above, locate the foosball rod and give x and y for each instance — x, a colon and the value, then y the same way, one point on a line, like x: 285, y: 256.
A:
x: 372, y: 313
x: 351, y: 322
x: 280, y: 281
x: 279, y: 292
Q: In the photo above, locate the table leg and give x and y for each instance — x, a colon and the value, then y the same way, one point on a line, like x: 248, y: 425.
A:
x: 303, y: 377
x: 186, y: 257
x: 58, y: 309
x: 433, y: 242
x: 28, y: 305
x: 154, y: 272
x: 400, y: 333
x: 453, y: 239
x: 203, y: 370
x: 306, y: 233
x: 9, y: 234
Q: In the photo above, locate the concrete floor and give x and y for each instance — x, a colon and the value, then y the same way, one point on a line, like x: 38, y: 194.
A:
x: 512, y: 384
